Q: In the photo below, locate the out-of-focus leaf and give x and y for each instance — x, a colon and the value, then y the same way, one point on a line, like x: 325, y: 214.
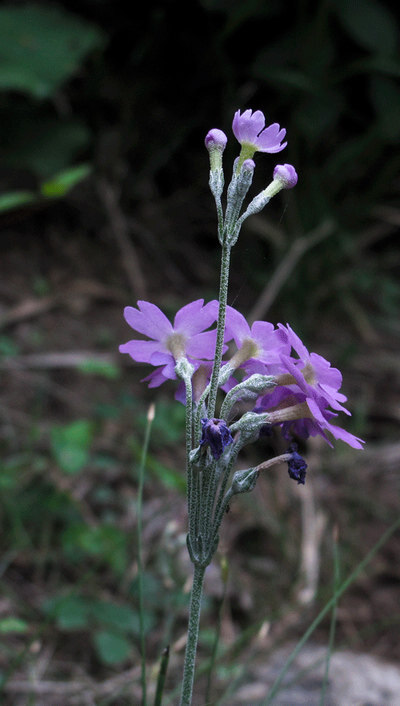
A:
x: 370, y: 24
x: 111, y: 647
x: 104, y: 543
x: 64, y: 181
x: 39, y: 141
x: 287, y: 78
x: 13, y: 625
x: 100, y: 367
x: 41, y: 47
x: 120, y: 617
x: 317, y: 115
x: 70, y: 445
x: 15, y: 199
x: 385, y: 96
x: 71, y: 612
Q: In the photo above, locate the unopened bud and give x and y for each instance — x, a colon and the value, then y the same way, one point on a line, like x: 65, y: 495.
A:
x: 215, y: 143
x: 286, y: 174
x: 244, y: 481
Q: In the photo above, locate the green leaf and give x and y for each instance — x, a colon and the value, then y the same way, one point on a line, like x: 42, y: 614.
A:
x: 100, y: 367
x: 111, y: 647
x: 13, y: 625
x: 121, y: 617
x: 15, y: 199
x: 64, y: 181
x: 41, y: 47
x: 70, y: 445
x: 37, y: 140
x: 370, y: 24
x: 105, y: 543
x: 385, y: 96
x: 72, y: 612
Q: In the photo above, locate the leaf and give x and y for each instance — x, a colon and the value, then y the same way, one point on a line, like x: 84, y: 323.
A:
x: 70, y: 445
x: 385, y: 96
x: 15, y: 199
x: 121, y: 617
x: 103, y: 368
x: 370, y: 24
x: 13, y: 625
x: 37, y: 140
x: 72, y: 612
x: 41, y: 47
x: 64, y: 181
x: 111, y: 647
x: 105, y: 543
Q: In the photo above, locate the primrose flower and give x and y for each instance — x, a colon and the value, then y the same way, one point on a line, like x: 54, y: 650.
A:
x: 303, y: 416
x: 261, y: 343
x: 216, y: 434
x: 312, y: 373
x: 168, y: 343
x: 249, y: 129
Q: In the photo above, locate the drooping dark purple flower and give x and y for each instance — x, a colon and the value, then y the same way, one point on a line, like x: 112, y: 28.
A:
x: 297, y: 466
x: 216, y: 434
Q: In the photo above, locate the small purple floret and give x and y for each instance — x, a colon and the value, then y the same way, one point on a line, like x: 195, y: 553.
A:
x: 216, y: 434
x: 216, y: 139
x: 249, y: 129
x: 287, y: 174
x: 297, y: 466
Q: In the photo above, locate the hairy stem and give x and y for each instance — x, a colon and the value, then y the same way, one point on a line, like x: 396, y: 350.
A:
x: 223, y: 294
x: 193, y: 635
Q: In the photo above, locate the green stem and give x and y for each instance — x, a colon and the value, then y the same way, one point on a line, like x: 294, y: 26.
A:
x: 150, y: 417
x: 223, y: 294
x: 193, y: 635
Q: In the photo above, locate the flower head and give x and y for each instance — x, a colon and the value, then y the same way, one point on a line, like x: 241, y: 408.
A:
x: 216, y: 435
x: 260, y: 343
x: 186, y: 338
x: 297, y: 466
x: 312, y: 373
x: 249, y: 129
x: 286, y: 174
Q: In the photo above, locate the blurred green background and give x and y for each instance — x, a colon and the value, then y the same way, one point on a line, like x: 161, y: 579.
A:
x: 104, y: 200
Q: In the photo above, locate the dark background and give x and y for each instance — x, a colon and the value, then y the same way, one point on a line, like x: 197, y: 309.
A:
x: 104, y: 200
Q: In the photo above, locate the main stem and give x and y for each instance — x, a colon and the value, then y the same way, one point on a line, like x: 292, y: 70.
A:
x: 223, y: 295
x: 193, y: 635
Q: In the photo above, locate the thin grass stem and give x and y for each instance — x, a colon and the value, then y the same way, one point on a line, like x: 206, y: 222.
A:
x: 321, y: 615
x: 150, y: 418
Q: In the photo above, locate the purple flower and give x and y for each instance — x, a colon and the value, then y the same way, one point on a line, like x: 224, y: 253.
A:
x: 297, y: 466
x: 168, y: 343
x: 249, y: 129
x: 216, y: 434
x: 261, y: 343
x: 312, y: 373
x: 286, y: 174
x: 303, y: 417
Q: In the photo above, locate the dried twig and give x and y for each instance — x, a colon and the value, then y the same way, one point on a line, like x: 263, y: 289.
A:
x: 119, y: 225
x: 286, y: 266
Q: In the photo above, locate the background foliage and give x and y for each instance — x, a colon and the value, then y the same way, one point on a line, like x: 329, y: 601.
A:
x: 104, y: 200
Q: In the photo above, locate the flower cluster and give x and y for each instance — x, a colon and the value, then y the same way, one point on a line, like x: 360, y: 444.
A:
x: 306, y: 394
